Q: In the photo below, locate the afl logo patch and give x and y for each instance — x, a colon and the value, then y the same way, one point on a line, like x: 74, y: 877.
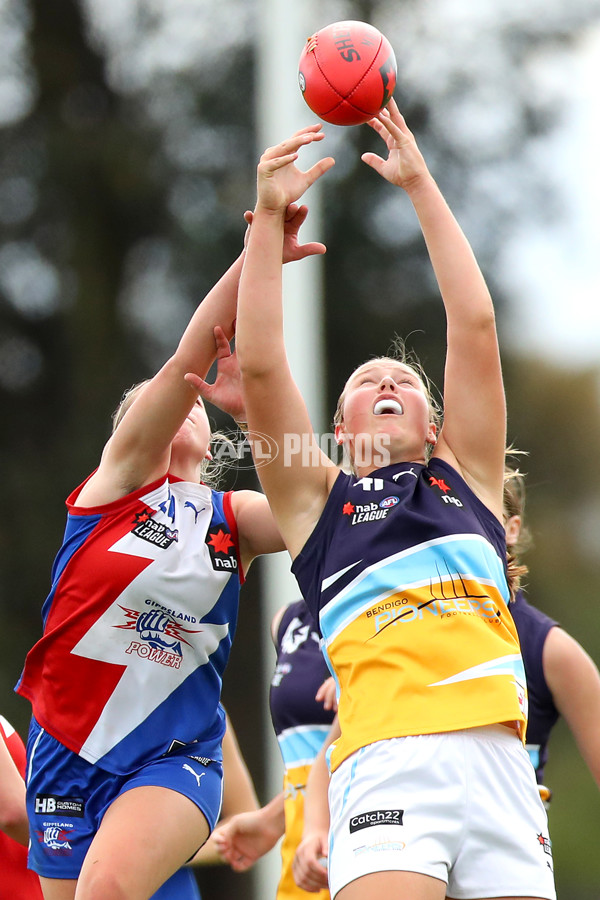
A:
x: 388, y: 502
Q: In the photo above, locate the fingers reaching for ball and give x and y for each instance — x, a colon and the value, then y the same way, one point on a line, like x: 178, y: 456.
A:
x: 404, y: 165
x: 280, y: 181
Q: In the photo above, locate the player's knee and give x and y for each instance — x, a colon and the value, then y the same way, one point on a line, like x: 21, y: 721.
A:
x: 102, y: 883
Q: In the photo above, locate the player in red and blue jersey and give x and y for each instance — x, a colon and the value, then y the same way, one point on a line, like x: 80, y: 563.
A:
x: 17, y: 880
x: 124, y: 751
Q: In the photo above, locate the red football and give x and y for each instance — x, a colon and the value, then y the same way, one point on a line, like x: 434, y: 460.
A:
x: 347, y: 72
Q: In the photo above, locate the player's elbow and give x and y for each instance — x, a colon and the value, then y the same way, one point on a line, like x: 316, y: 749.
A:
x: 257, y: 365
x: 13, y: 821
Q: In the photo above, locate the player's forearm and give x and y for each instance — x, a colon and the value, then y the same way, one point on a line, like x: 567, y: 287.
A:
x: 13, y: 819
x: 207, y: 855
x: 272, y: 816
x: 196, y: 349
x: 260, y: 312
x: 316, y: 802
x: 461, y: 282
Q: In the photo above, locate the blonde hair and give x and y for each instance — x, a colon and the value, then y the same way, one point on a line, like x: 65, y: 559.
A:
x: 513, y: 502
x: 397, y: 353
x: 211, y: 471
x: 126, y: 401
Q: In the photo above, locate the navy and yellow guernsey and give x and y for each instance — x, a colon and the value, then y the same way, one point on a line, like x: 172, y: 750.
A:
x: 405, y: 572
x: 301, y: 725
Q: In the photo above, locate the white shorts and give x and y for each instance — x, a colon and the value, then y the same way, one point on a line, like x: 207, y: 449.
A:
x: 462, y: 807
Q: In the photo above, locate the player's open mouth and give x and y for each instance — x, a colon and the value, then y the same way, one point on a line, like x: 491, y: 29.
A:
x: 388, y: 407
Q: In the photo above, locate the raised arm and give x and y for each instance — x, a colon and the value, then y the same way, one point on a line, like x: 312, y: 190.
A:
x: 296, y: 491
x: 473, y: 434
x: 139, y: 450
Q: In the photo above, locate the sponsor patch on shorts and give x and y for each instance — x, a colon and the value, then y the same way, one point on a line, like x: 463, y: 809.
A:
x: 53, y: 805
x: 376, y: 817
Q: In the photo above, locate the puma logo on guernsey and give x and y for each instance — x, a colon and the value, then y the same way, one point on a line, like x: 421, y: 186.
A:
x: 196, y: 510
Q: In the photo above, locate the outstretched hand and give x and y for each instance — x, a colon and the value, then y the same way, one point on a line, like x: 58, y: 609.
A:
x: 244, y: 839
x: 309, y: 866
x: 327, y: 695
x: 404, y: 164
x: 295, y: 216
x: 226, y: 391
x: 279, y: 181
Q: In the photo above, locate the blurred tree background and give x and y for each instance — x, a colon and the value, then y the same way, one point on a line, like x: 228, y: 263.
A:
x: 127, y: 157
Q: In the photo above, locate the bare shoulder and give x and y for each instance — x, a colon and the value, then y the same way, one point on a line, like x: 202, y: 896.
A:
x: 561, y: 651
x: 570, y: 672
x: 245, y: 501
x: 486, y: 489
x: 276, y: 621
x: 293, y: 516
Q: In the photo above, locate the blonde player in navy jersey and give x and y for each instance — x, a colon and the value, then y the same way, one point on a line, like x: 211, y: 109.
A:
x: 562, y: 680
x: 403, y: 565
x: 124, y: 751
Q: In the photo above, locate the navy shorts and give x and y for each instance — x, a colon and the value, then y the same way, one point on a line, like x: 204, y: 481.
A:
x: 67, y: 798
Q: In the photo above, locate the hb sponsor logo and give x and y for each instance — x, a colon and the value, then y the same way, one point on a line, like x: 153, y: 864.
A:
x: 222, y: 549
x: 53, y: 805
x: 376, y: 817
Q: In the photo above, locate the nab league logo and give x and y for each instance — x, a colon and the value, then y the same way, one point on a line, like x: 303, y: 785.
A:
x: 369, y: 512
x: 154, y: 532
x: 222, y: 549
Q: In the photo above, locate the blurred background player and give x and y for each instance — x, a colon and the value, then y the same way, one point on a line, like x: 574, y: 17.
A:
x: 302, y: 702
x: 562, y: 679
x: 17, y: 882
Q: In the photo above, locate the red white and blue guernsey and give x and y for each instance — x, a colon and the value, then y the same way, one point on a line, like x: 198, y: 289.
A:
x: 138, y: 626
x: 405, y: 573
